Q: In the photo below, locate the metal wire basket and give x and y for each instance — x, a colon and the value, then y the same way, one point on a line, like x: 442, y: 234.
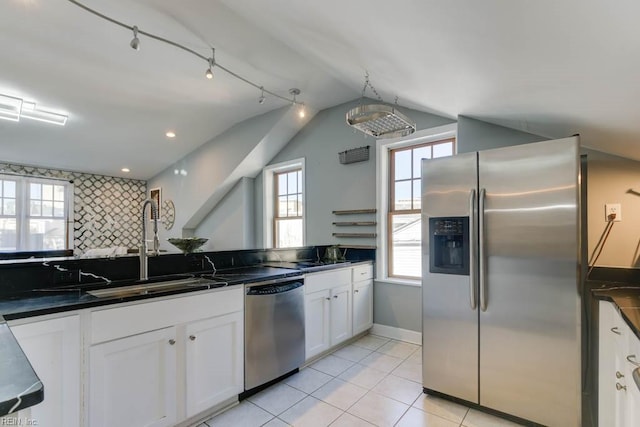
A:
x: 380, y: 121
x: 354, y: 155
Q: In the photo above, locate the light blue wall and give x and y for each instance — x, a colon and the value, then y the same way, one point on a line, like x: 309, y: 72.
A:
x: 231, y: 223
x: 401, y: 306
x: 333, y: 186
x: 193, y: 180
x: 329, y: 184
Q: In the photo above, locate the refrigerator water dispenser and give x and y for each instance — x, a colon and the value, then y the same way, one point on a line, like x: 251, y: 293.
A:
x: 449, y: 245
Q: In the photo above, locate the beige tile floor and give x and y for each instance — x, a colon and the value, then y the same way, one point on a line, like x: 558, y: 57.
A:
x: 375, y: 381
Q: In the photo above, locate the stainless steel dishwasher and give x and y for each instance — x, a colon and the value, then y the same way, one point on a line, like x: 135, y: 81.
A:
x: 273, y: 331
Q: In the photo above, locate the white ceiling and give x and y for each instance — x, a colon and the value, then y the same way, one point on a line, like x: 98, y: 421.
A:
x: 549, y: 67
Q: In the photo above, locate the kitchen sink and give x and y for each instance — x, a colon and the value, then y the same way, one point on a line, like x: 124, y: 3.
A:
x: 156, y: 288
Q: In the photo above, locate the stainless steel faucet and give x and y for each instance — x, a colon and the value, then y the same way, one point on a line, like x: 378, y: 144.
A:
x: 144, y: 263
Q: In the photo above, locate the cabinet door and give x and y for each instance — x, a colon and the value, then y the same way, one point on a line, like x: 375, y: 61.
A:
x: 633, y: 389
x: 631, y: 359
x: 53, y: 349
x: 214, y: 361
x: 316, y: 314
x: 610, y: 401
x: 341, y: 314
x: 132, y: 381
x: 362, y: 306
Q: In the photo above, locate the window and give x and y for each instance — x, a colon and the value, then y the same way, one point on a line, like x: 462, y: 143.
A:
x: 288, y: 216
x: 33, y: 214
x: 405, y: 236
x: 400, y: 200
x: 284, y: 211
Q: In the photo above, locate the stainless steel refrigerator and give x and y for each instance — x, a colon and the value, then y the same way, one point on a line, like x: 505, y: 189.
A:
x: 501, y: 280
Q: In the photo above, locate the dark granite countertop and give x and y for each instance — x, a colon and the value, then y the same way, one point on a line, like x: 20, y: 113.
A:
x: 20, y: 387
x: 314, y: 266
x: 626, y: 297
x: 39, y: 302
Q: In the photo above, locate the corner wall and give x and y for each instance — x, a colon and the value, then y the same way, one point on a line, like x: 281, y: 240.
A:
x: 202, y: 180
x: 334, y: 186
x: 401, y: 306
x: 613, y: 179
x: 330, y: 185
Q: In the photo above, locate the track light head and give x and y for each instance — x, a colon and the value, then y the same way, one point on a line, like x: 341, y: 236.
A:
x: 262, y: 98
x: 212, y: 62
x: 294, y: 92
x: 135, y: 42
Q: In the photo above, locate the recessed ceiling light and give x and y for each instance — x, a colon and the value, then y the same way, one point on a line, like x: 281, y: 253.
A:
x: 170, y: 134
x: 126, y: 170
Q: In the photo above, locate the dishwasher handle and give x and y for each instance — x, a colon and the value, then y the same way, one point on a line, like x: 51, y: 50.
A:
x: 274, y: 288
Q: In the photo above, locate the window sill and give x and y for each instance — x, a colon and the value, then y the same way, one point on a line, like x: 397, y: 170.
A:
x: 404, y: 282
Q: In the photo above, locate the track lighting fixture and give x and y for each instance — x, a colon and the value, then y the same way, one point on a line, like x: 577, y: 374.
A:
x: 212, y: 62
x: 295, y: 92
x: 135, y: 42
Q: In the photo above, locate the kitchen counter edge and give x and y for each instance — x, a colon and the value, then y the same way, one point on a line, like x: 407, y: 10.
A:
x: 627, y: 300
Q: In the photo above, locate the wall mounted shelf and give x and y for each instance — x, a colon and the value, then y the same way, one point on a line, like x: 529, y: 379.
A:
x: 355, y: 212
x: 356, y: 223
x: 346, y: 246
x: 366, y: 235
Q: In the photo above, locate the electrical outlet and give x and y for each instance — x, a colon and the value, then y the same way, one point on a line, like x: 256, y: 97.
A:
x: 613, y: 209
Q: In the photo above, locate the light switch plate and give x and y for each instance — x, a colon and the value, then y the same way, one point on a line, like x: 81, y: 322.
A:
x: 613, y: 208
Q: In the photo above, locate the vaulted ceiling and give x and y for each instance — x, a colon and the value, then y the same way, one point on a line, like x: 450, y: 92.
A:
x: 553, y: 68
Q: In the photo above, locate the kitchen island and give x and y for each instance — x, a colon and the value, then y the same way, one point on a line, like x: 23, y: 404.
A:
x: 72, y: 318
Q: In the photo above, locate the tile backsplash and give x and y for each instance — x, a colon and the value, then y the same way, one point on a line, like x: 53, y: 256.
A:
x: 105, y: 209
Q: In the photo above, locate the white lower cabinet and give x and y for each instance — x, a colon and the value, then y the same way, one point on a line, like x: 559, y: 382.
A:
x: 214, y: 361
x: 133, y: 381
x: 341, y: 315
x: 619, y: 355
x: 316, y: 313
x: 327, y: 310
x: 362, y: 306
x: 362, y: 277
x: 53, y: 349
x: 161, y: 363
x: 336, y: 307
x: 327, y: 319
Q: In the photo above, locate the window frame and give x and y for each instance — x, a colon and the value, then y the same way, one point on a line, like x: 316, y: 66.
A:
x: 278, y: 218
x: 23, y: 214
x: 385, y: 190
x: 269, y: 174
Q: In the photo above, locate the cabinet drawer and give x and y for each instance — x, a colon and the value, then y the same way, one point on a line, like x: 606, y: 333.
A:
x: 362, y: 272
x: 109, y: 324
x: 316, y: 282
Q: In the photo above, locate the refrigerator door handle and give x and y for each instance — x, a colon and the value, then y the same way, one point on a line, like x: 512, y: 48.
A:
x: 472, y: 253
x: 481, y: 255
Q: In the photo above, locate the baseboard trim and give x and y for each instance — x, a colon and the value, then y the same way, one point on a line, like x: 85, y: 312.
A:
x: 397, y: 333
